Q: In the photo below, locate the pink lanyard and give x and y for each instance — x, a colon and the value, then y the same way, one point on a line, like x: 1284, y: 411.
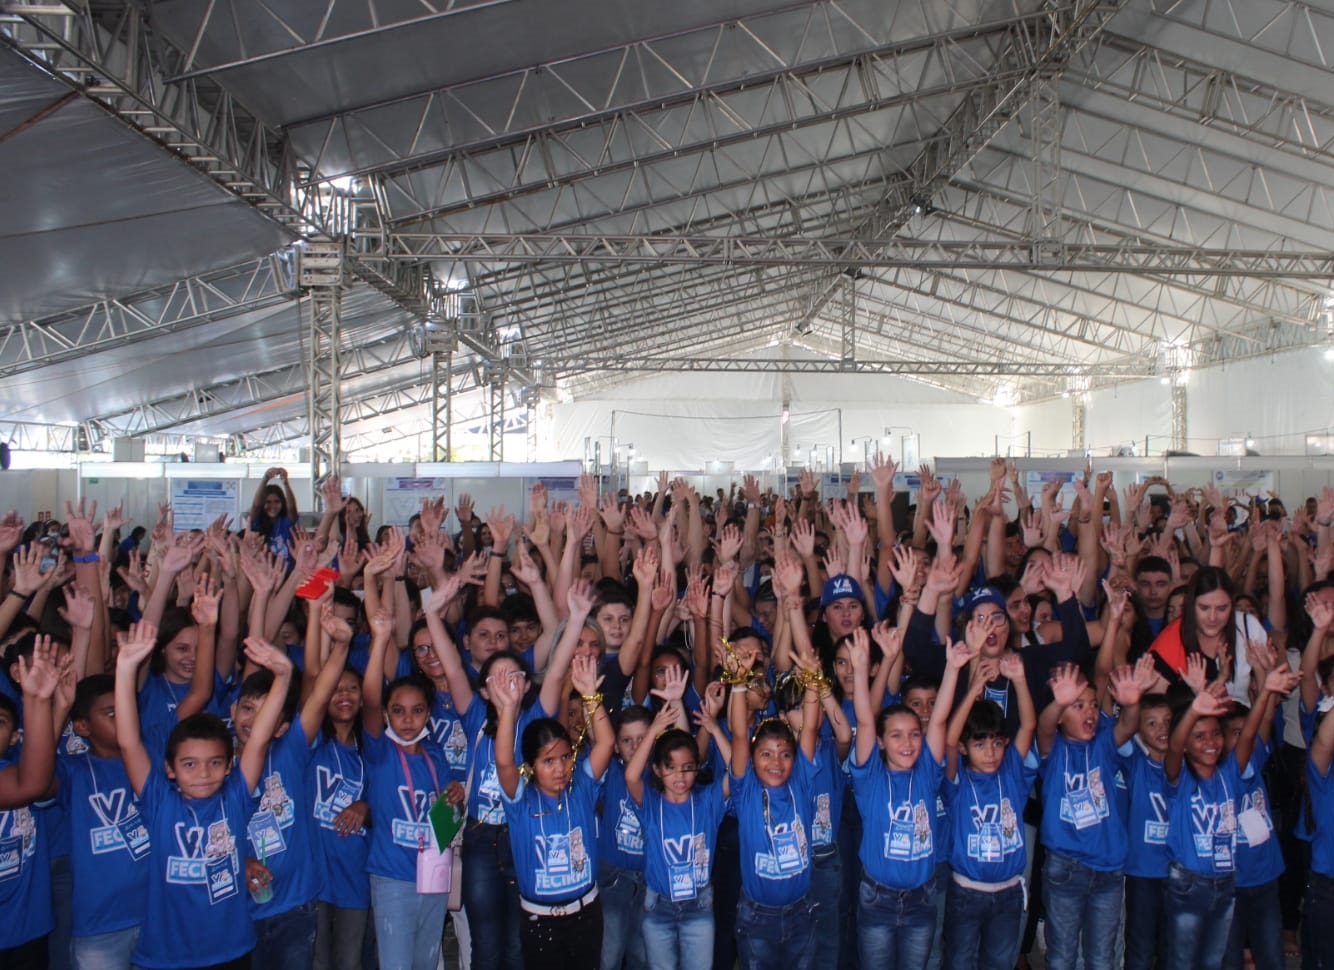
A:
x: 412, y: 792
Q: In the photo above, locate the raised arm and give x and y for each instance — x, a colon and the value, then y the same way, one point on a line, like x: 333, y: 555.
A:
x: 270, y: 713
x: 1322, y: 617
x: 580, y: 602
x: 667, y: 716
x: 372, y: 685
x: 584, y: 676
x: 1012, y: 667
x: 39, y: 677
x: 204, y: 611
x: 957, y: 657
x: 1207, y: 703
x: 506, y: 694
x: 1066, y: 684
x: 446, y: 651
x: 325, y: 676
x: 135, y: 646
x: 859, y: 652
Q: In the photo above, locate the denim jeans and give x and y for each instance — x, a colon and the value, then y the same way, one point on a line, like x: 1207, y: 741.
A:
x: 286, y: 941
x: 339, y: 934
x: 1317, y: 919
x: 1144, y: 921
x: 849, y: 841
x: 59, y: 951
x: 572, y: 942
x: 491, y: 898
x: 622, y: 895
x: 827, y: 894
x: 726, y: 893
x: 944, y: 875
x: 895, y: 928
x: 105, y: 951
x: 982, y: 929
x: 1080, y: 903
x: 1257, y: 923
x: 678, y: 936
x: 1198, y: 911
x: 775, y: 936
x: 408, y: 924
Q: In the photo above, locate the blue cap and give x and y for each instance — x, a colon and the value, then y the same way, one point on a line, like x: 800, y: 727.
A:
x: 977, y: 596
x: 840, y: 587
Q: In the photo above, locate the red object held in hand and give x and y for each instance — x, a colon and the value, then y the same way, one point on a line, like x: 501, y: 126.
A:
x: 314, y: 587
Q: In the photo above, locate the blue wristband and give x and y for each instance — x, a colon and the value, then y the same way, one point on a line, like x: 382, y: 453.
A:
x: 84, y: 560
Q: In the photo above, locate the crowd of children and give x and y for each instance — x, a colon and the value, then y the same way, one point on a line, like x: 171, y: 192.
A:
x: 675, y: 731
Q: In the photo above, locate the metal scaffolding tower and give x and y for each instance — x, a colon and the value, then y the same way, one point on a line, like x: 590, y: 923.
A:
x: 321, y: 274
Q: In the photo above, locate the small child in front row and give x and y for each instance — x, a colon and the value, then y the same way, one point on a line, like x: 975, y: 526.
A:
x: 1318, y: 906
x: 1146, y: 856
x: 772, y: 784
x: 1083, y: 821
x: 985, y: 793
x: 552, y: 816
x: 1202, y: 828
x: 196, y: 808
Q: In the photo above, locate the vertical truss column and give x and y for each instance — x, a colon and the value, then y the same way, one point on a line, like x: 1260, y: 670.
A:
x: 848, y: 335
x: 531, y: 399
x: 1045, y: 123
x: 442, y: 405
x: 1178, y: 415
x: 322, y: 276
x: 1079, y: 424
x: 496, y: 388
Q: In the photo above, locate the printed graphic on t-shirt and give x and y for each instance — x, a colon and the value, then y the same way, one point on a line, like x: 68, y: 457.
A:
x: 333, y: 793
x: 276, y: 800
x: 18, y: 841
x: 195, y: 852
x: 448, y: 733
x: 909, y: 836
x: 1213, y: 830
x: 822, y: 828
x: 788, y: 852
x: 1254, y: 805
x: 1084, y: 803
x: 562, y: 861
x: 1001, y: 698
x: 996, y: 832
x: 1155, y: 829
x: 121, y: 828
x: 71, y: 744
x: 407, y: 830
x: 489, y: 807
x: 629, y: 833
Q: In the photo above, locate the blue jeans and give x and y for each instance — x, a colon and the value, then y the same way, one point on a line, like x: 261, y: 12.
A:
x: 982, y: 929
x: 1317, y: 918
x: 1144, y: 922
x: 827, y: 894
x: 943, y: 877
x: 895, y: 928
x: 491, y: 898
x: 286, y: 941
x: 408, y: 924
x: 1257, y: 922
x: 1080, y: 903
x: 678, y: 936
x: 106, y: 951
x: 775, y: 936
x: 1198, y: 911
x: 849, y: 841
x: 622, y: 895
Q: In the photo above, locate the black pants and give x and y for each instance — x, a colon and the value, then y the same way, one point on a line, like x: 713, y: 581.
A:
x: 26, y: 956
x: 563, y: 942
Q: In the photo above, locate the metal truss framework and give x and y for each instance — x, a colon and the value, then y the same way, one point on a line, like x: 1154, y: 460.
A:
x: 322, y: 274
x: 254, y: 285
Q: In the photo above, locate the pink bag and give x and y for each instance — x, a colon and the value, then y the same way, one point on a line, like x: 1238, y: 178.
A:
x: 434, y: 870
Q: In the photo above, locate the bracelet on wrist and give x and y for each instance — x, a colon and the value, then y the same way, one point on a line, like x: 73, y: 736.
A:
x: 616, y: 532
x: 1324, y: 523
x: 22, y: 596
x: 591, y: 700
x: 84, y: 560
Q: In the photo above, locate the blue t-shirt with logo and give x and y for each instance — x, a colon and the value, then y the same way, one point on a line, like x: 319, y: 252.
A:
x: 1262, y: 861
x: 1202, y: 826
x: 485, y: 799
x: 1321, y: 789
x: 25, y: 876
x: 620, y: 835
x: 109, y: 844
x: 197, y: 912
x: 1082, y: 816
x: 986, y: 813
x: 1146, y: 855
x: 774, y: 826
x: 681, y: 839
x: 399, y: 802
x: 447, y: 731
x: 339, y: 779
x: 554, y: 840
x: 899, y: 819
x: 280, y: 832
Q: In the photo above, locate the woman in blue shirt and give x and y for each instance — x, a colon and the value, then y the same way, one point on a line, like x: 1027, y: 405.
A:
x: 273, y: 513
x: 552, y: 814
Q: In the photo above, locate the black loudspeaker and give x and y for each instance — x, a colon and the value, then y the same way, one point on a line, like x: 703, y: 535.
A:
x: 4, y: 457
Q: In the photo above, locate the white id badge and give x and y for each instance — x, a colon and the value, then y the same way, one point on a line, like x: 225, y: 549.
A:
x: 989, y: 843
x: 787, y: 852
x: 266, y: 836
x: 682, y: 880
x: 1254, y: 827
x: 134, y: 834
x: 558, y: 855
x: 435, y: 869
x: 1223, y: 852
x: 898, y: 840
x: 11, y: 857
x: 344, y: 795
x: 1083, y: 813
x: 221, y: 879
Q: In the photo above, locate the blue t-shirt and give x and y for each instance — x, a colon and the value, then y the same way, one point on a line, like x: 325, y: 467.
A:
x: 1147, y: 855
x: 682, y: 839
x: 554, y: 840
x: 110, y: 852
x: 773, y: 825
x: 447, y: 731
x: 25, y: 877
x: 1262, y: 862
x: 899, y: 819
x: 620, y: 835
x: 986, y: 815
x: 339, y: 778
x: 1082, y: 817
x: 485, y: 799
x: 399, y: 826
x: 280, y: 832
x: 1321, y: 789
x: 279, y: 538
x: 1202, y: 826
x: 197, y: 912
x: 158, y: 700
x: 828, y: 786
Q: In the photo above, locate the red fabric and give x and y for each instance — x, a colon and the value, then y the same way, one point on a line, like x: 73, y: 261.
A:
x: 1169, y: 647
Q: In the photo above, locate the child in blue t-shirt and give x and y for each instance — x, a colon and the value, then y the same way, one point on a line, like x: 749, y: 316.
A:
x: 406, y: 772
x: 680, y: 818
x: 109, y: 839
x: 1146, y: 854
x: 1083, y: 821
x: 25, y: 866
x: 621, y: 848
x: 1318, y: 906
x: 552, y: 815
x: 1202, y: 822
x: 772, y: 786
x: 283, y: 870
x: 195, y: 806
x: 896, y: 779
x: 985, y: 796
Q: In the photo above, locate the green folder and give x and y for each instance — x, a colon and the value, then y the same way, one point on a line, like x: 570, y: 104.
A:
x: 446, y: 820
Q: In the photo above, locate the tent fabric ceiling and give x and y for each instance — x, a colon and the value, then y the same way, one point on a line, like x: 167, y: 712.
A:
x: 1181, y: 123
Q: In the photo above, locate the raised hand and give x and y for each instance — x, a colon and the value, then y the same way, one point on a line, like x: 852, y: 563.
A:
x: 78, y: 609
x: 462, y: 509
x: 1126, y: 685
x: 1066, y: 683
x: 1209, y: 704
x: 890, y: 639
x: 580, y: 599
x: 904, y: 565
x: 1320, y: 611
x: 334, y: 626
x: 1012, y: 666
x: 803, y: 538
x: 40, y: 674
x: 204, y: 605
x: 584, y: 674
x: 331, y: 490
x: 1197, y: 674
x: 1281, y: 680
x: 958, y: 654
x: 134, y: 646
x: 675, y: 681
x: 79, y: 522
x: 859, y: 651
x: 266, y: 655
x: 729, y: 542
x: 883, y: 470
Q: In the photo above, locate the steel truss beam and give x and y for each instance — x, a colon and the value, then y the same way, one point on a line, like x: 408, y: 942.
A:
x: 354, y: 21
x: 946, y: 368
x: 861, y: 253
x: 324, y: 373
x: 254, y: 285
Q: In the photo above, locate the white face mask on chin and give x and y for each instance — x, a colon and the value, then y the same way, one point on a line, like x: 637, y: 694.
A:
x: 402, y: 742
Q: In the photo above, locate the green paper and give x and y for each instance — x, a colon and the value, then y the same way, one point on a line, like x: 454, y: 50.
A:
x: 446, y: 820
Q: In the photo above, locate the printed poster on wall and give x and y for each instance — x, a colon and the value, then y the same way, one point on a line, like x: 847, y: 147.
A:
x: 402, y: 497
x: 1239, y: 484
x: 195, y: 503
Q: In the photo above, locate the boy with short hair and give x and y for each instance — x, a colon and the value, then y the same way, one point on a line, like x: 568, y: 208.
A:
x: 196, y: 808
